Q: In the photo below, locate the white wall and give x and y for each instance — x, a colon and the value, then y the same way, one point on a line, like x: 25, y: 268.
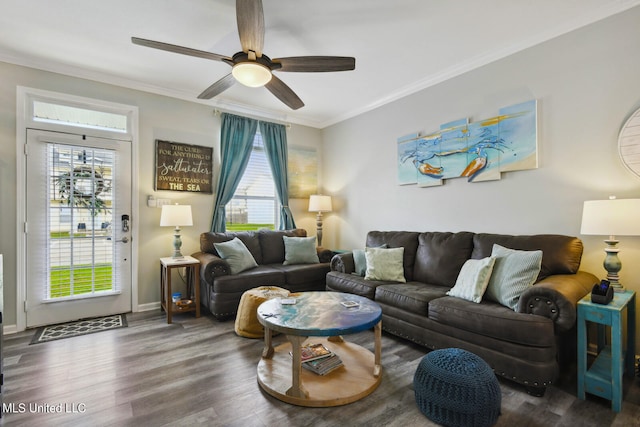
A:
x: 587, y: 84
x: 160, y: 118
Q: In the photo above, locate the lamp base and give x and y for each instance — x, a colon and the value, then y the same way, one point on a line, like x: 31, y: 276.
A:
x: 177, y: 244
x: 613, y: 264
x: 319, y: 229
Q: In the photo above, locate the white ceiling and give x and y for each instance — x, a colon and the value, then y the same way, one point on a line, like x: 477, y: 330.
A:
x: 400, y: 46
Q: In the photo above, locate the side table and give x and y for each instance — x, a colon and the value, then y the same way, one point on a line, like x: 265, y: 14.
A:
x: 192, y: 266
x: 604, y: 377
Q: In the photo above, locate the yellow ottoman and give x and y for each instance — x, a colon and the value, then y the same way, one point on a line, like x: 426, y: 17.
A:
x: 247, y: 324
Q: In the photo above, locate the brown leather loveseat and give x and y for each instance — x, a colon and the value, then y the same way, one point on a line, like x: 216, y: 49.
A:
x: 527, y: 343
x: 220, y: 291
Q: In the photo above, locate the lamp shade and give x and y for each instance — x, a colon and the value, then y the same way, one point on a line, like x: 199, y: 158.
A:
x: 319, y: 203
x: 613, y: 217
x: 176, y: 215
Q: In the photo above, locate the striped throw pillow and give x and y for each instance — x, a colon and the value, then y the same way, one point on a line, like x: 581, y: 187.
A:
x: 513, y: 272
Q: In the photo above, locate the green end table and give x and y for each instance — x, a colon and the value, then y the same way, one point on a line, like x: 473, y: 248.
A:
x: 604, y: 377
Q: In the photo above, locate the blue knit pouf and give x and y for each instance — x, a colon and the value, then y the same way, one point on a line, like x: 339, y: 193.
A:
x: 454, y: 387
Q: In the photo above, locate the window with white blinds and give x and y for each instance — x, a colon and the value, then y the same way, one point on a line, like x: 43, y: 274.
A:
x: 80, y: 214
x: 254, y: 203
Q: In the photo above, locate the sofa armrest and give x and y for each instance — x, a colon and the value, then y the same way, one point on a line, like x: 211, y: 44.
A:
x: 324, y: 254
x: 556, y: 297
x: 343, y: 263
x: 211, y: 266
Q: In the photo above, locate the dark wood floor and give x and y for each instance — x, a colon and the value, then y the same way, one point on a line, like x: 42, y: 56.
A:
x: 198, y: 372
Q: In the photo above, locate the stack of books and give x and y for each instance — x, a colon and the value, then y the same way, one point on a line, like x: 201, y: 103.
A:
x: 319, y: 359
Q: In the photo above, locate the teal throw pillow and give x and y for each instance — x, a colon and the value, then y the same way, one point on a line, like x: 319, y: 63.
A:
x: 513, y: 273
x: 385, y: 264
x: 236, y: 254
x: 473, y: 279
x: 300, y: 250
x: 359, y: 262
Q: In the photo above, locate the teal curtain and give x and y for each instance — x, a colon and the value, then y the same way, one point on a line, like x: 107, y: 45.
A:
x: 274, y: 137
x: 236, y: 141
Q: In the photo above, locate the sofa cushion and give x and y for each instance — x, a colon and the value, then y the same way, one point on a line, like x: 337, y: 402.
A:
x: 440, y: 257
x: 352, y: 284
x: 513, y: 273
x: 413, y: 297
x: 560, y: 254
x: 249, y: 238
x: 303, y: 273
x: 272, y: 244
x: 300, y: 250
x: 397, y: 239
x: 384, y: 264
x: 259, y: 276
x: 493, y: 320
x: 236, y: 254
x: 473, y: 279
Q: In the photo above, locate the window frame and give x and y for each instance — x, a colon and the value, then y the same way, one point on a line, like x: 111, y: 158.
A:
x: 257, y: 147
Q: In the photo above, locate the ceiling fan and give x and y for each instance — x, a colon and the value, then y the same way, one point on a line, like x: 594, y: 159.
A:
x: 250, y: 66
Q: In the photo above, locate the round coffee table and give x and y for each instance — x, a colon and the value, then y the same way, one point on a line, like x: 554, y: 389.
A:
x: 319, y: 314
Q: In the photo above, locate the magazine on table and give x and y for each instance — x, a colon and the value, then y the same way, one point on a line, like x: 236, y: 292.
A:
x: 315, y: 351
x: 323, y: 365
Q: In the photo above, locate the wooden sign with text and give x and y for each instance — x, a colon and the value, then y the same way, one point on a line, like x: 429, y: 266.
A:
x: 183, y: 167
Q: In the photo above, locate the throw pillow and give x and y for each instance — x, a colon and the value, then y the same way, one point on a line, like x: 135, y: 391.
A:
x: 513, y: 272
x: 300, y: 250
x: 384, y: 264
x: 473, y: 279
x: 236, y: 254
x: 360, y: 261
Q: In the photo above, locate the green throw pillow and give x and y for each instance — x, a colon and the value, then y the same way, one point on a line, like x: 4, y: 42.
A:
x: 473, y: 279
x: 513, y: 273
x: 236, y: 254
x: 300, y: 250
x: 385, y: 264
x: 360, y: 261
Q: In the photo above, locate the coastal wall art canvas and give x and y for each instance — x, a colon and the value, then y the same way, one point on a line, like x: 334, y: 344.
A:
x: 478, y: 151
x: 303, y: 172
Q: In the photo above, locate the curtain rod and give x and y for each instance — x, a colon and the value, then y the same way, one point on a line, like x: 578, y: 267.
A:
x: 218, y: 112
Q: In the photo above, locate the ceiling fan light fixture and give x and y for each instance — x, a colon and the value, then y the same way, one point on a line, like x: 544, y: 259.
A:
x: 251, y: 74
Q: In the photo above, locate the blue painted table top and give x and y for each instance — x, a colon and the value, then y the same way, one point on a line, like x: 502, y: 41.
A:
x: 319, y: 314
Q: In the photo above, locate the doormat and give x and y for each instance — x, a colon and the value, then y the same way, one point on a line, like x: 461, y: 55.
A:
x: 81, y: 327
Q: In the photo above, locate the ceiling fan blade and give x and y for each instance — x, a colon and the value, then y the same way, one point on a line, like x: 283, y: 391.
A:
x: 180, y: 49
x: 250, y: 17
x: 284, y: 93
x: 218, y: 87
x: 314, y: 64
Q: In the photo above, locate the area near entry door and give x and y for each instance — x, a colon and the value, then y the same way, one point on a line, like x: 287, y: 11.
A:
x: 78, y: 227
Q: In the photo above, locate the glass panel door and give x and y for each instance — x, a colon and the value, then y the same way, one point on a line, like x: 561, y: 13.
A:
x: 78, y: 202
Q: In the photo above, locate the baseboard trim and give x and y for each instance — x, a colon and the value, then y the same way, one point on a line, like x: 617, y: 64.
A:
x: 149, y: 306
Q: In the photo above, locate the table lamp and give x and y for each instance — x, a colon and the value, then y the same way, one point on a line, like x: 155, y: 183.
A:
x: 176, y: 216
x: 613, y: 217
x: 319, y: 203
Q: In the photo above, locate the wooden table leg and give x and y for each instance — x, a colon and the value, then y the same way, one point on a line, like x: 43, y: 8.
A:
x: 297, y: 389
x: 267, y: 351
x: 169, y: 297
x: 377, y: 368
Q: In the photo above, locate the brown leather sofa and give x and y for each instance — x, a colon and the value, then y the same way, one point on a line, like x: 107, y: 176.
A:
x: 527, y: 345
x: 220, y: 291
